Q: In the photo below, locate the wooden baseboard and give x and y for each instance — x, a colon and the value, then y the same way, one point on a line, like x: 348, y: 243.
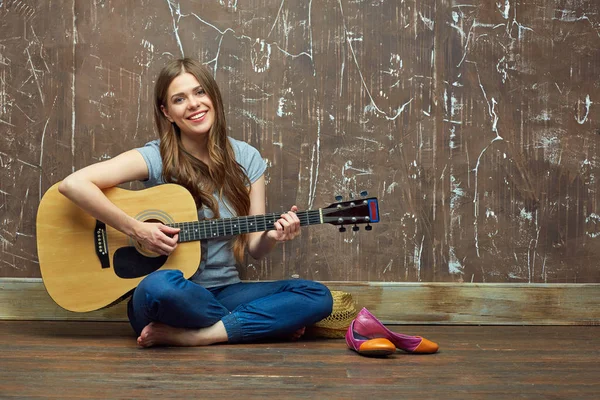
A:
x: 393, y: 303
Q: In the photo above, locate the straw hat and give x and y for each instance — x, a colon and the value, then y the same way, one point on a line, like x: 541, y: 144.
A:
x: 337, y: 323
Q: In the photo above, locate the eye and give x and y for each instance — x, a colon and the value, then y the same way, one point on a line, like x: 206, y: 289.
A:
x: 177, y: 100
x: 200, y: 92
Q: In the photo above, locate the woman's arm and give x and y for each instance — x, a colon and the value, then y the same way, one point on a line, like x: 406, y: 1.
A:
x: 286, y: 228
x: 84, y: 188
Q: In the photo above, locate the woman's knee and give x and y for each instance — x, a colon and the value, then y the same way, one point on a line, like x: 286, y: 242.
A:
x: 159, y: 284
x: 152, y: 291
x: 327, y: 300
x: 320, y: 296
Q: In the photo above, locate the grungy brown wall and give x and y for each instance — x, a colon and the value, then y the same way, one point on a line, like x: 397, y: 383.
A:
x: 475, y: 123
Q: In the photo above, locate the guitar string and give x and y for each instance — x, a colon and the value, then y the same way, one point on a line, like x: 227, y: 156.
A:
x: 199, y: 230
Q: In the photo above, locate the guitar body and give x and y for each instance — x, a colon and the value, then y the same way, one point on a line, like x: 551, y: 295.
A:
x: 86, y: 266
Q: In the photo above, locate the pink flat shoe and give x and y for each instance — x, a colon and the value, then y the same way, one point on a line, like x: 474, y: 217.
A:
x: 366, y: 325
x: 378, y: 347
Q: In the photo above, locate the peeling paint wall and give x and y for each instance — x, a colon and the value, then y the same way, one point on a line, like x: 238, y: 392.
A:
x: 475, y: 123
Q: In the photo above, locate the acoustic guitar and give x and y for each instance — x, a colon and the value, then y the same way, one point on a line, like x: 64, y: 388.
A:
x: 87, y: 265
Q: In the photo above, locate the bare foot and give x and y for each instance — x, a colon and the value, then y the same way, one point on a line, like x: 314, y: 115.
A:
x: 298, y: 334
x: 156, y: 333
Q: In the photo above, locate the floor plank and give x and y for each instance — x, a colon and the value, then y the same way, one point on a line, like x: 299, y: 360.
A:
x: 100, y: 360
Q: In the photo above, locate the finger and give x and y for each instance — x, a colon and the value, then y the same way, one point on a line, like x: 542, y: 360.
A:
x: 172, y: 242
x: 289, y: 217
x: 278, y: 226
x: 295, y: 219
x: 164, y: 244
x: 294, y: 222
x: 169, y: 230
x: 285, y: 224
x: 157, y: 250
x: 292, y: 229
x: 168, y: 240
x: 292, y: 214
x: 160, y: 240
x: 165, y: 249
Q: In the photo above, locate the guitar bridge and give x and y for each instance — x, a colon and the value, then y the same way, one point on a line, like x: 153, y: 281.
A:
x: 101, y: 244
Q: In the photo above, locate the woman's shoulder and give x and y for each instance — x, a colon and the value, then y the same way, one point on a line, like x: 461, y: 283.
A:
x: 153, y: 145
x: 151, y: 154
x: 151, y: 151
x: 249, y: 158
x: 240, y: 147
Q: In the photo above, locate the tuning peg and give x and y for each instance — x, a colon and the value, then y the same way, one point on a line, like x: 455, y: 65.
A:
x: 364, y: 193
x: 342, y: 229
x: 368, y: 227
x: 355, y: 228
x: 338, y: 198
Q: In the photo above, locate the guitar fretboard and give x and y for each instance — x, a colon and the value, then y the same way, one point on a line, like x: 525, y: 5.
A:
x: 214, y: 228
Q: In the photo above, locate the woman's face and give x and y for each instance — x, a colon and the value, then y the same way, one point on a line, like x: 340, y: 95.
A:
x: 189, y: 106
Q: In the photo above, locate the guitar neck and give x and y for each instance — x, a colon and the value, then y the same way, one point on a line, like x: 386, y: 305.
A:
x: 214, y: 228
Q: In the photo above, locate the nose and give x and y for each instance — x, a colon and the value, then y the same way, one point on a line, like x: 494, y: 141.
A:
x: 193, y: 103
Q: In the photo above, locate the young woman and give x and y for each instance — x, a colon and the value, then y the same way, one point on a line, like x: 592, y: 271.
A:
x: 225, y: 177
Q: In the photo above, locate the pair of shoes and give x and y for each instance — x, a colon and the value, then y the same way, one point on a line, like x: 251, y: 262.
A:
x: 378, y: 347
x: 367, y: 326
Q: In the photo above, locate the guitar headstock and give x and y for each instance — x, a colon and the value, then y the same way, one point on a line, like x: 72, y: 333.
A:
x: 353, y: 212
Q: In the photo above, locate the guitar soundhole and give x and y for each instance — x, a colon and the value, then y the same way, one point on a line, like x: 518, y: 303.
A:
x: 134, y: 261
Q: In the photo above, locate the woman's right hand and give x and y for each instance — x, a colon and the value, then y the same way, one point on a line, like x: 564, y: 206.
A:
x: 156, y: 237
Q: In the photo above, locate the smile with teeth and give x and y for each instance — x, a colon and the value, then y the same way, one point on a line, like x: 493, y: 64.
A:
x: 198, y: 116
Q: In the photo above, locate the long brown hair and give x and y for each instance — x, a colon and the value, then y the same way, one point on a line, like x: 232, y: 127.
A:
x: 222, y: 174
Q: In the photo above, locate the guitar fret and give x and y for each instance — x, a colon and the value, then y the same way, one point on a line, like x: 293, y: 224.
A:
x: 204, y: 228
x: 235, y: 225
x: 239, y: 222
x: 181, y: 232
x: 304, y: 218
x: 196, y: 232
x: 260, y: 223
x: 271, y: 222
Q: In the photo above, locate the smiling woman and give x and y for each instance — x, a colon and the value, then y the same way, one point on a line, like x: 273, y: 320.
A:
x: 225, y: 179
x: 189, y: 107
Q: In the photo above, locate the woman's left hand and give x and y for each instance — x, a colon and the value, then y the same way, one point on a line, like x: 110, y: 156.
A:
x: 287, y: 227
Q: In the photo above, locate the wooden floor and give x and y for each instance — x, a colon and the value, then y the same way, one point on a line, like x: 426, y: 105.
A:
x: 89, y: 360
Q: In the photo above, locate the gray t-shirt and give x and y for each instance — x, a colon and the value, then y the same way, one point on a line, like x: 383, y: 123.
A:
x: 218, y: 264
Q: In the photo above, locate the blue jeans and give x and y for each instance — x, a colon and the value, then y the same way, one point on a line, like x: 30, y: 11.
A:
x: 250, y: 311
